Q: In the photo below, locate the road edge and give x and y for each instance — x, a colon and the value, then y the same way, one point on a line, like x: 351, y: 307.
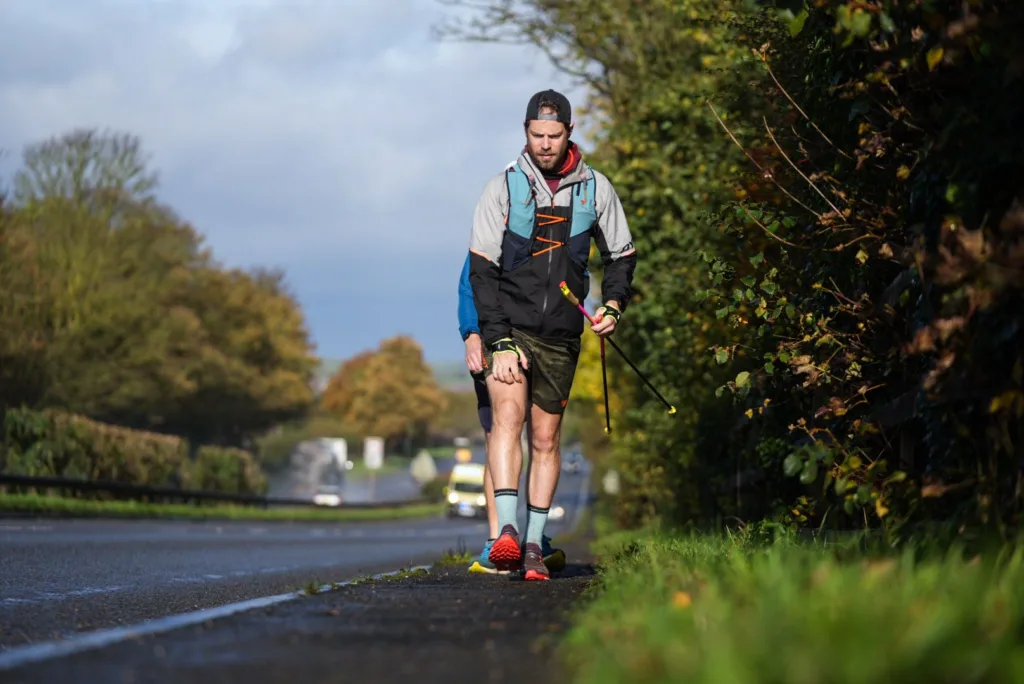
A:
x: 20, y: 656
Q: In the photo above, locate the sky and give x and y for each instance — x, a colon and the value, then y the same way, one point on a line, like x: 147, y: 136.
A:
x: 337, y: 140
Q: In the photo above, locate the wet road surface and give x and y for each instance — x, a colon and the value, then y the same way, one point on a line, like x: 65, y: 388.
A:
x: 58, y: 577
x: 439, y: 626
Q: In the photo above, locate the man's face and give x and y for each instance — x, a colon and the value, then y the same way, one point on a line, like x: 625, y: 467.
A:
x: 546, y: 142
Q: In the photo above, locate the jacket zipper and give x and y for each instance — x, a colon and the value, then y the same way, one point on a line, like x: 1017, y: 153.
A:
x: 544, y: 306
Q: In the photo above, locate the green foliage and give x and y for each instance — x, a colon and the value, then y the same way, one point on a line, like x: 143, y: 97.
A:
x: 825, y: 199
x: 56, y: 444
x: 435, y: 489
x: 114, y: 309
x: 226, y: 469
x: 870, y: 300
x: 746, y: 609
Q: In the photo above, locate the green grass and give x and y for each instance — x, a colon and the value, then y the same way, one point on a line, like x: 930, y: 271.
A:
x: 65, y: 506
x: 713, y: 609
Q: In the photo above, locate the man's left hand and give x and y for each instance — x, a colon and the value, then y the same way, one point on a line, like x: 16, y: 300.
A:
x: 606, y: 319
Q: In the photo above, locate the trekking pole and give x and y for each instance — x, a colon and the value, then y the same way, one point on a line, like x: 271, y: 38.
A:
x: 604, y: 366
x: 572, y: 298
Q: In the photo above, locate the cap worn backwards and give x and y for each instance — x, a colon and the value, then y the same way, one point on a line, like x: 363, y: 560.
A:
x: 556, y: 98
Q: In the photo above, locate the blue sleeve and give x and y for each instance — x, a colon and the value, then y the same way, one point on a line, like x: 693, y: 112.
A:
x: 467, y: 306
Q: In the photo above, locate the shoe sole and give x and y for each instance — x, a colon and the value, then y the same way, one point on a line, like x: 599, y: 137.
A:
x: 556, y: 561
x: 536, y: 576
x: 505, y: 552
x: 478, y: 568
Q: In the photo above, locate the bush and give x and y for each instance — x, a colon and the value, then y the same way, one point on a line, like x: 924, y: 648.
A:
x: 434, y: 490
x: 56, y: 444
x: 226, y: 469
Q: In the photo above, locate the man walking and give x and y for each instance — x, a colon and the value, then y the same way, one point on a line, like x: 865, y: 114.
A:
x: 532, y: 229
x: 554, y: 559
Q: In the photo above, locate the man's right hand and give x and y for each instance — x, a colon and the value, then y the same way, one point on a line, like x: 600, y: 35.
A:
x: 474, y: 353
x: 507, y: 358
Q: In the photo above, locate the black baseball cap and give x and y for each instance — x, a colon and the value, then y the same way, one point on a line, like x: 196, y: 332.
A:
x: 556, y: 98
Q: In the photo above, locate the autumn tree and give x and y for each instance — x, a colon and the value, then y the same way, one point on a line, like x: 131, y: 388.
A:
x: 253, y: 364
x: 341, y: 389
x: 115, y: 309
x: 390, y: 393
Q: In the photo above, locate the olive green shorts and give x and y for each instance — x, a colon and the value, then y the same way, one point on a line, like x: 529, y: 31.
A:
x: 551, y: 372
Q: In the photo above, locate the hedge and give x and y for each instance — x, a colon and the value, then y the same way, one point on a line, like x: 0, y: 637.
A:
x: 57, y: 444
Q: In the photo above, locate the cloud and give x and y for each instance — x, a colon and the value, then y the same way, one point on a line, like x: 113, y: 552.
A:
x: 337, y: 140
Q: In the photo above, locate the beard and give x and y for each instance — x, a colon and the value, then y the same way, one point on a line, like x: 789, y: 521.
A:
x: 552, y: 163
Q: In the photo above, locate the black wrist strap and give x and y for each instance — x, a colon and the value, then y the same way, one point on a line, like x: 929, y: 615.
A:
x: 504, y: 345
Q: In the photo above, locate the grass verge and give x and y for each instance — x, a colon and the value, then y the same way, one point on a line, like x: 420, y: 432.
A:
x: 714, y: 609
x: 34, y: 504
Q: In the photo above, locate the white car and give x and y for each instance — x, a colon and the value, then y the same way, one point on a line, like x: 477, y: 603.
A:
x: 327, y: 495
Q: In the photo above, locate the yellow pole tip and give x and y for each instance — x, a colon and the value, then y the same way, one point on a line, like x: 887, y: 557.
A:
x: 671, y: 410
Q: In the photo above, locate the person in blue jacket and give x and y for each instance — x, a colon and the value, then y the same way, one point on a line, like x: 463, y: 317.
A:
x: 469, y: 329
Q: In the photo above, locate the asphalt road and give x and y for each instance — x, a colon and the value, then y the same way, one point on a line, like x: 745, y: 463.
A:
x: 58, y: 577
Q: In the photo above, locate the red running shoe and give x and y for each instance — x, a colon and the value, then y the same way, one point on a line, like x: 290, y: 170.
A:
x: 505, y: 551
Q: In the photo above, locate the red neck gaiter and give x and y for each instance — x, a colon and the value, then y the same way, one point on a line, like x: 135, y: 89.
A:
x: 572, y: 159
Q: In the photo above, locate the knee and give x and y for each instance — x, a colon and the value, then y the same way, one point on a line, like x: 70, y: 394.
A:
x: 507, y: 414
x: 545, y: 442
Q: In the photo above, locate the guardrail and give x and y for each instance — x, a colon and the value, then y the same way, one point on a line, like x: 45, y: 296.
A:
x: 130, y: 491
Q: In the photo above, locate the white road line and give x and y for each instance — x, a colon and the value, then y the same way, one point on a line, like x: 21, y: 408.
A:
x: 55, y: 596
x: 34, y: 653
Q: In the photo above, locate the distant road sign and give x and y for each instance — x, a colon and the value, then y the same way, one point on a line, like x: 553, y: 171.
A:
x: 373, y: 453
x: 338, y: 448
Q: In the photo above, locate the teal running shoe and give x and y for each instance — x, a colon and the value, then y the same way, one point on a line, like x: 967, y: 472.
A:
x: 482, y: 564
x: 554, y: 559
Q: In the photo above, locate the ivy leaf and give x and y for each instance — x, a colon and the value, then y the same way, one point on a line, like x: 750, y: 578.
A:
x: 810, y: 472
x: 886, y: 22
x: 769, y: 368
x: 749, y: 281
x: 757, y: 259
x: 723, y: 312
x: 743, y: 379
x: 796, y: 24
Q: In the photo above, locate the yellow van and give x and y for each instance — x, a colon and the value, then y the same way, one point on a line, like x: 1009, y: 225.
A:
x: 466, y: 491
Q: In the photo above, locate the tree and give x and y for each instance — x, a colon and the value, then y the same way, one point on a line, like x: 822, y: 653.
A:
x: 341, y: 389
x: 390, y: 393
x: 86, y: 167
x: 648, y: 68
x: 113, y: 307
x: 252, y: 364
